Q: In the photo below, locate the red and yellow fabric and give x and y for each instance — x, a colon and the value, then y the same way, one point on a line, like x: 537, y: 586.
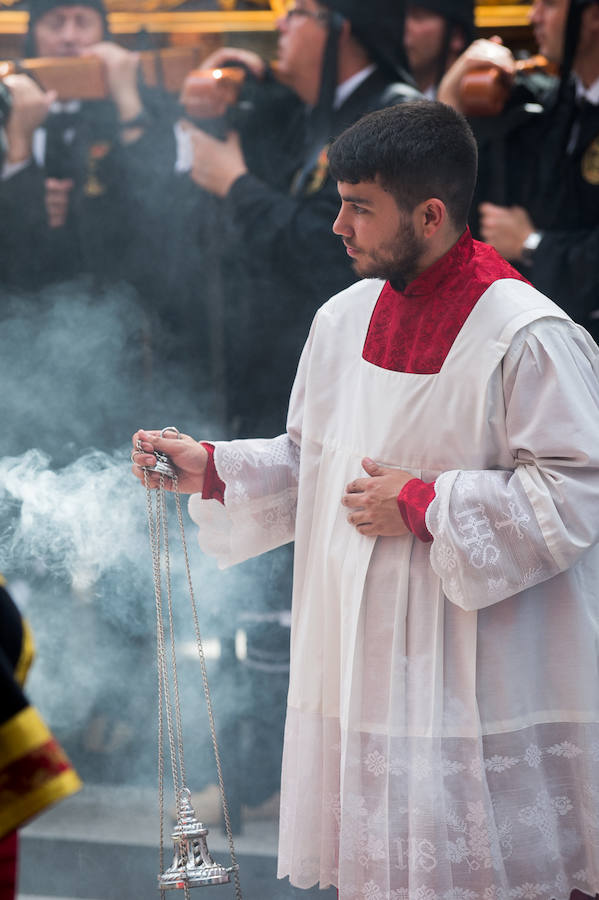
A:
x: 34, y: 769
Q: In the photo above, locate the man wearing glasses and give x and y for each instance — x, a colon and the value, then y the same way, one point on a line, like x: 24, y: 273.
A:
x: 341, y: 59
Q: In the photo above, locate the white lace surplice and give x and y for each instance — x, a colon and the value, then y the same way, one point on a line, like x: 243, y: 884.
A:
x: 442, y: 739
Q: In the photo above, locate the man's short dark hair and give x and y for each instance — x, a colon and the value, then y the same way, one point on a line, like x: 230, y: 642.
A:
x: 415, y: 150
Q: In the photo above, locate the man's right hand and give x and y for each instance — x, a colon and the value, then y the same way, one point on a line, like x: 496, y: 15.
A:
x: 186, y: 454
x: 30, y: 106
x: 206, y: 97
x: 481, y: 53
x: 232, y: 55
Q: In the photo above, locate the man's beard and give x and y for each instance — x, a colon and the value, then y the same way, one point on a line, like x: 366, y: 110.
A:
x: 396, y: 262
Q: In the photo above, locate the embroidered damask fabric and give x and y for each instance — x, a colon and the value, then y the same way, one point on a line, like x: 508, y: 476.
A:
x: 441, y: 739
x: 414, y: 500
x: 413, y: 330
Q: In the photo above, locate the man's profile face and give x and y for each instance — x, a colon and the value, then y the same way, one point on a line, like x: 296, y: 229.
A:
x: 302, y: 38
x: 67, y: 30
x: 379, y: 237
x: 548, y: 19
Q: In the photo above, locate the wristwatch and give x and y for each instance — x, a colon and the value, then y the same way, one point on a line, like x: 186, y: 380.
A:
x: 529, y: 246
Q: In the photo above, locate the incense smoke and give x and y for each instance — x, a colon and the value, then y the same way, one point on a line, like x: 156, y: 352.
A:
x: 73, y: 531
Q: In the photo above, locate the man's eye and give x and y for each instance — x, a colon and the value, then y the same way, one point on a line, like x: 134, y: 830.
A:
x: 359, y: 210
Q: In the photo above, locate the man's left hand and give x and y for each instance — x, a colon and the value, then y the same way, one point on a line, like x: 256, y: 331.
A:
x: 505, y: 228
x: 373, y: 500
x: 216, y: 164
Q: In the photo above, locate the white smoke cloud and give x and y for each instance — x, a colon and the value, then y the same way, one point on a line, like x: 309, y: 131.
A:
x: 79, y: 521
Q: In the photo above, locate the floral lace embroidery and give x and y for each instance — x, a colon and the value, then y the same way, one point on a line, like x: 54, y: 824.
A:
x: 231, y: 462
x: 377, y: 764
x: 542, y: 816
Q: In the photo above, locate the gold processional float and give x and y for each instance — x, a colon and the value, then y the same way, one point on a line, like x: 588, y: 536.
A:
x: 193, y: 865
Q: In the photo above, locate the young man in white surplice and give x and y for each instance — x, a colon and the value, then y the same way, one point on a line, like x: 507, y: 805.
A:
x: 440, y: 478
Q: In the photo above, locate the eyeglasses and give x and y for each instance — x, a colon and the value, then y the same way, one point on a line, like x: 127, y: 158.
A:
x: 298, y: 12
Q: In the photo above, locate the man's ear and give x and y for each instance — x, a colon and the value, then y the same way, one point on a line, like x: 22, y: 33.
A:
x: 432, y: 214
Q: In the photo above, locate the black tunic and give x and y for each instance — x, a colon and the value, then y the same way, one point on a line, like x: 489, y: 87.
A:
x: 556, y: 179
x: 283, y: 261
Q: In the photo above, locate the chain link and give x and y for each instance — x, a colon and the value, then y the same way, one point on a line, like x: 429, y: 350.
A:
x: 158, y: 533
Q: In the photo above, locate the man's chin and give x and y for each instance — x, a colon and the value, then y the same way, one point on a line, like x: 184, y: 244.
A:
x: 360, y: 269
x: 365, y: 272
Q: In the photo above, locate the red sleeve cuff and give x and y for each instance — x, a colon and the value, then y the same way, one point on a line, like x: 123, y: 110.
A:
x: 214, y: 487
x: 414, y: 499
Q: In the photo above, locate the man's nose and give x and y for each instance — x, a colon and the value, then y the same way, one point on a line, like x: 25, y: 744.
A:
x: 69, y: 32
x: 340, y: 226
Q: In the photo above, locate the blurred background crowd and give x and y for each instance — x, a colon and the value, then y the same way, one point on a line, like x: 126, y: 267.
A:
x: 165, y: 239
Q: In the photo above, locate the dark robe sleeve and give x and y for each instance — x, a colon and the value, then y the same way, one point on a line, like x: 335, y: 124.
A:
x: 23, y: 228
x: 566, y: 268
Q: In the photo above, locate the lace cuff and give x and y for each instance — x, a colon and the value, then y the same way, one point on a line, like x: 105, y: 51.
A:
x: 487, y: 541
x: 260, y: 481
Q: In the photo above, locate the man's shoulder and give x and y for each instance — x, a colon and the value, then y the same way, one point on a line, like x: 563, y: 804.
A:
x: 389, y: 93
x: 344, y: 318
x: 399, y: 92
x: 376, y: 92
x: 510, y: 306
x: 357, y: 295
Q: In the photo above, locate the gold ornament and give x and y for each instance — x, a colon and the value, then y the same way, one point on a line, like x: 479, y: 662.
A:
x: 321, y: 170
x: 93, y: 186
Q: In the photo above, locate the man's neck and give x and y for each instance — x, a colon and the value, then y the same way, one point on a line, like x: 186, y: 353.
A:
x: 352, y: 59
x: 424, y: 82
x: 437, y: 250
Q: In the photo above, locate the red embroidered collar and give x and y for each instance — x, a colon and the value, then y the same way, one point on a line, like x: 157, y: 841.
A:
x: 413, y: 330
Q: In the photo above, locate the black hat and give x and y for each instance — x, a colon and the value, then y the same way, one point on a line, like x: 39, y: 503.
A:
x: 458, y: 12
x: 378, y: 26
x: 39, y: 8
